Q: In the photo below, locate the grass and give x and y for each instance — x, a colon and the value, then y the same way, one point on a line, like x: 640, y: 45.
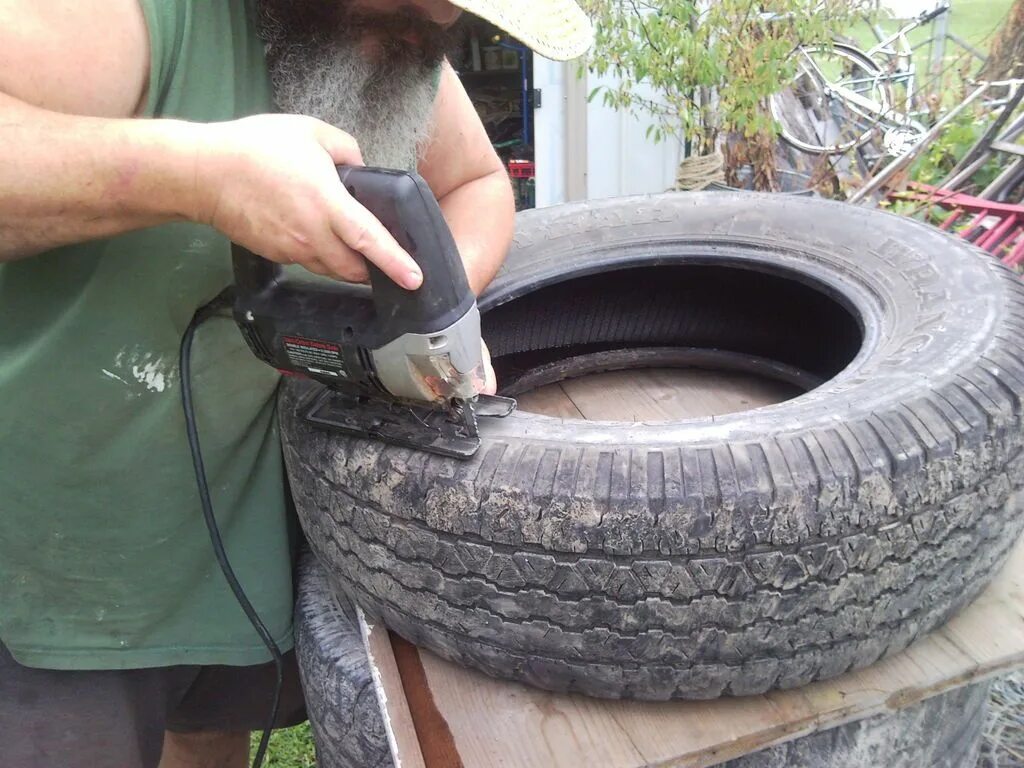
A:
x: 289, y: 748
x: 974, y: 21
x: 978, y: 20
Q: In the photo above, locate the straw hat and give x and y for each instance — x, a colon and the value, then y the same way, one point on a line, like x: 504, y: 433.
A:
x: 556, y: 29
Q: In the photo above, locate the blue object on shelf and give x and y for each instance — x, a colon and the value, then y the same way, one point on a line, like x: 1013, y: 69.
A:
x: 525, y: 88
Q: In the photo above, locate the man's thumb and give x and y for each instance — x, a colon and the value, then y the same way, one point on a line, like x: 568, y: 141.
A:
x: 342, y: 148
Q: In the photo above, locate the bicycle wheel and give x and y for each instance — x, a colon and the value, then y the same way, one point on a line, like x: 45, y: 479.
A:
x: 816, y: 113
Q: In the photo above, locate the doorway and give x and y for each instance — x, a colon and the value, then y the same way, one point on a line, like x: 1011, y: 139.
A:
x: 497, y: 72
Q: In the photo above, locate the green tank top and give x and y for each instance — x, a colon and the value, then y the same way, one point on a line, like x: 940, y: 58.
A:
x: 104, y: 558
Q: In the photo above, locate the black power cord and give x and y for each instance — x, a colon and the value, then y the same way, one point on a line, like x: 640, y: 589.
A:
x: 204, y: 313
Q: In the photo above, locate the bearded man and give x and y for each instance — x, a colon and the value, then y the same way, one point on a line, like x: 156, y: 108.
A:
x: 136, y: 139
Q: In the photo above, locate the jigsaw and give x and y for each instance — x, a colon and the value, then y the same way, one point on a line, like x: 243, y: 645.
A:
x: 405, y: 367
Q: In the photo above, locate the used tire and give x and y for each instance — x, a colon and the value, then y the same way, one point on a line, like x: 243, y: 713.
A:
x: 941, y: 732
x: 344, y: 712
x: 733, y: 555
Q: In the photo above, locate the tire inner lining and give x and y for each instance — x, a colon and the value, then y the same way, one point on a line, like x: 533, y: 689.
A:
x: 706, y: 316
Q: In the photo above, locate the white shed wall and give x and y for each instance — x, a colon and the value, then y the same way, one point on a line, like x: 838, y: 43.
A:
x: 550, y: 128
x: 621, y: 160
x: 606, y: 148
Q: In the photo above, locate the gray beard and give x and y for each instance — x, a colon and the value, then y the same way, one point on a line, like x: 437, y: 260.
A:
x: 389, y: 115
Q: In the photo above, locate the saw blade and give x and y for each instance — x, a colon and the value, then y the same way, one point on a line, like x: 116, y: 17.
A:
x: 469, y: 412
x: 463, y: 413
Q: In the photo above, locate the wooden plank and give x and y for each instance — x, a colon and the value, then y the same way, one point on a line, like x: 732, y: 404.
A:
x: 550, y: 400
x: 524, y: 726
x: 435, y: 738
x: 660, y: 395
x: 398, y: 721
x: 527, y: 728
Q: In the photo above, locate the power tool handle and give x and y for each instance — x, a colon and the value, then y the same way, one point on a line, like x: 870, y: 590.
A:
x: 253, y: 274
x: 407, y: 208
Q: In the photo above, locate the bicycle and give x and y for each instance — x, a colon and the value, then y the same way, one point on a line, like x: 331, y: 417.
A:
x: 842, y: 97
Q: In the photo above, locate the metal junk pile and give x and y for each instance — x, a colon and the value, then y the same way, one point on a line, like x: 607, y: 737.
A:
x: 865, y: 115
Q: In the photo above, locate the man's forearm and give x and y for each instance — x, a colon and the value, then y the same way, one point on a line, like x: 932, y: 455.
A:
x: 66, y: 179
x: 481, y: 215
x: 267, y: 182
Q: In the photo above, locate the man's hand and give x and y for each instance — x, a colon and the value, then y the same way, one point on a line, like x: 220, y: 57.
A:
x: 269, y: 183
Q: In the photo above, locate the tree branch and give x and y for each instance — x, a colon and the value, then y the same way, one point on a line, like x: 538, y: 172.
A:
x: 643, y: 26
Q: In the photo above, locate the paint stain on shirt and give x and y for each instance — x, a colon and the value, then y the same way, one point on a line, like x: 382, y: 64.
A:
x: 135, y: 366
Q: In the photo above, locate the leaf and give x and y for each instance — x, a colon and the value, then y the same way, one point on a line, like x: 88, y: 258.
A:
x: 722, y: 49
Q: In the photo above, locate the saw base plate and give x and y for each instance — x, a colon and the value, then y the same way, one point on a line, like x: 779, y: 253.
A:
x: 434, y: 430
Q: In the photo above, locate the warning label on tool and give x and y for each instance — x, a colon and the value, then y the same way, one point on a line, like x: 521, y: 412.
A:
x: 317, y: 355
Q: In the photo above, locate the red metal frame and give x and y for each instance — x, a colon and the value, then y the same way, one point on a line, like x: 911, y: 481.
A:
x: 997, y: 228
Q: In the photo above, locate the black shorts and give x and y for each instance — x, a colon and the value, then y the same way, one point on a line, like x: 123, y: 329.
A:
x: 117, y: 719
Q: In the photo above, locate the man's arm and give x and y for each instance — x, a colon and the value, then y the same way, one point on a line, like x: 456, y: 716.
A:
x: 74, y: 166
x: 470, y: 182
x: 42, y: 83
x: 65, y: 179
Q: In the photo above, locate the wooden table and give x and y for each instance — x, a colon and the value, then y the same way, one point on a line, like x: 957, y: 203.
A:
x: 443, y: 716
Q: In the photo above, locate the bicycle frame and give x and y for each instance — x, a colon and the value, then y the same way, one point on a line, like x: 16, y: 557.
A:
x: 902, y: 55
x: 867, y: 94
x: 858, y: 104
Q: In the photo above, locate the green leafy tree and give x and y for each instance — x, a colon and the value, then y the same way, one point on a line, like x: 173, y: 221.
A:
x: 706, y: 68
